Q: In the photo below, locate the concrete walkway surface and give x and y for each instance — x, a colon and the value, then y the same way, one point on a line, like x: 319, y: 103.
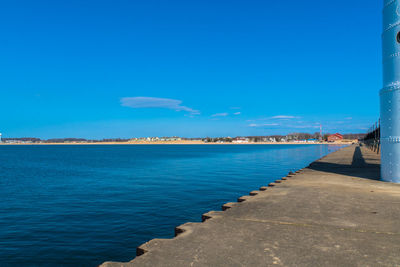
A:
x: 333, y: 213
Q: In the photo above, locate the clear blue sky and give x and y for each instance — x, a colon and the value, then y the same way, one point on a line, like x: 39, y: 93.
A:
x: 100, y: 69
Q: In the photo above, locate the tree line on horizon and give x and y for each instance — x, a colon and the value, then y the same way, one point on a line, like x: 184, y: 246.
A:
x: 280, y: 138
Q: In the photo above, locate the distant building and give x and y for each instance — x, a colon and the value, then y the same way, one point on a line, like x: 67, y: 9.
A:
x: 335, y: 137
x: 240, y: 140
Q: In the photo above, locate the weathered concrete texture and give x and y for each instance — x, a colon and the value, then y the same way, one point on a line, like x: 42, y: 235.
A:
x: 331, y: 214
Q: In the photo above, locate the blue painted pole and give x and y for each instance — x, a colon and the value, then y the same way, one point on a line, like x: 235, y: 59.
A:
x: 390, y: 94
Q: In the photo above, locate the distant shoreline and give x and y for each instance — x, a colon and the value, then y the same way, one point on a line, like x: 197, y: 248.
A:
x: 182, y: 143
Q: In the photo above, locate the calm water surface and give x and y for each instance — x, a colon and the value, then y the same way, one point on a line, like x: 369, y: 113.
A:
x: 83, y: 205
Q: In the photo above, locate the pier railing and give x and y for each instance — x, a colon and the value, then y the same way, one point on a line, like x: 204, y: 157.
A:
x: 373, y: 136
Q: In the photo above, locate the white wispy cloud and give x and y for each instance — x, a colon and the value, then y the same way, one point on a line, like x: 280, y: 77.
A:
x: 220, y: 115
x: 237, y: 113
x: 286, y: 123
x: 155, y: 102
x: 263, y: 124
x: 283, y: 117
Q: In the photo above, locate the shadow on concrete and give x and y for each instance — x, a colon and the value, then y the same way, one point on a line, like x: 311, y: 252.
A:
x: 358, y: 168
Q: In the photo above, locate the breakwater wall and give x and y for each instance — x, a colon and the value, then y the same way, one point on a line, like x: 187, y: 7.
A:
x: 324, y: 214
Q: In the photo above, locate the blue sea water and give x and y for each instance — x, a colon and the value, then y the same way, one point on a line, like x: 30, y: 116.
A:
x: 81, y: 205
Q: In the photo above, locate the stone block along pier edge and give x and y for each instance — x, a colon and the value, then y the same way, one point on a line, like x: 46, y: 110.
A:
x: 335, y: 212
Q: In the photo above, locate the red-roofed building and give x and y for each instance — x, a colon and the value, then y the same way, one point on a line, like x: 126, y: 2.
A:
x: 335, y: 137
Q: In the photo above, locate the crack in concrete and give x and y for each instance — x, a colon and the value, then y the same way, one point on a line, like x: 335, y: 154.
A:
x: 316, y: 225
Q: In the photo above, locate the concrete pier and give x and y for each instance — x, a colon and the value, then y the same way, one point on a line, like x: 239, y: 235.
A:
x: 334, y: 213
